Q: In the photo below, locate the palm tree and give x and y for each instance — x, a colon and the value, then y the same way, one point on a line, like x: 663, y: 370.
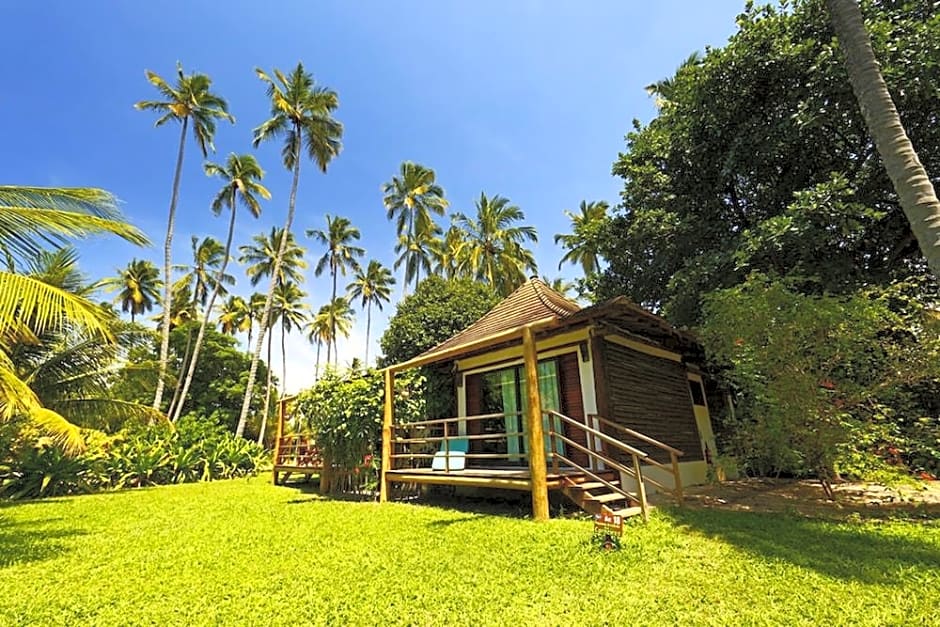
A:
x: 292, y: 313
x: 256, y: 309
x: 415, y: 252
x: 30, y: 219
x: 410, y: 199
x: 560, y: 285
x: 340, y: 316
x: 235, y: 316
x: 137, y: 287
x: 189, y: 101
x: 319, y: 332
x: 448, y: 251
x: 301, y: 113
x: 341, y: 255
x: 372, y: 287
x: 581, y: 243
x: 915, y: 191
x: 495, y: 251
x: 241, y: 175
x: 261, y: 258
x: 208, y: 257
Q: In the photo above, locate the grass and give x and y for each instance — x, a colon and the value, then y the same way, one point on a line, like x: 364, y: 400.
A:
x: 245, y: 552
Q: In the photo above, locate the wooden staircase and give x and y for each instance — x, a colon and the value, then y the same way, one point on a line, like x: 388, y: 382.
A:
x: 600, y: 491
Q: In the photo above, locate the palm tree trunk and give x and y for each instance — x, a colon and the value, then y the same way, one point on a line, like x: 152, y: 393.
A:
x: 183, y: 368
x: 253, y: 371
x: 267, y: 391
x: 329, y: 344
x: 368, y: 326
x: 167, y: 278
x: 316, y: 372
x: 251, y: 326
x: 916, y: 193
x: 205, y: 318
x: 333, y: 317
x: 283, y: 355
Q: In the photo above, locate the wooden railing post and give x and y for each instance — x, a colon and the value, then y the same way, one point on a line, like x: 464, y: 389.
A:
x: 553, y: 443
x: 277, y: 439
x: 640, y: 486
x: 676, y: 477
x: 387, y: 419
x: 536, y: 440
x: 446, y: 449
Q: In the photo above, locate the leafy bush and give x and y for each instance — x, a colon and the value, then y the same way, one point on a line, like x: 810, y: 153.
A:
x: 196, y: 449
x: 345, y: 414
x: 818, y: 378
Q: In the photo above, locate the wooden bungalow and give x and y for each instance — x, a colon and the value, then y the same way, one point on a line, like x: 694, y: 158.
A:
x: 601, y: 403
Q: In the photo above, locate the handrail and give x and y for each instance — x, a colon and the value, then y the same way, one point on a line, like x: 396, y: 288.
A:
x: 630, y: 450
x: 636, y: 434
x: 450, y: 438
x: 625, y: 493
x: 441, y: 421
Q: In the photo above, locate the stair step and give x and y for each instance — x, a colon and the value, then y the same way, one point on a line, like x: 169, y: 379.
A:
x: 606, y: 498
x: 629, y: 511
x: 594, y: 485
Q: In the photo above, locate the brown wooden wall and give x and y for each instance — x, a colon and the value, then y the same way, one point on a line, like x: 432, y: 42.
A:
x: 572, y: 404
x: 650, y: 395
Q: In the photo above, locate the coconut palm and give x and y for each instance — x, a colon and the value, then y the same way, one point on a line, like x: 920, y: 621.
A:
x: 410, y: 199
x: 301, y: 114
x: 137, y: 287
x: 241, y: 176
x: 581, y: 243
x: 448, y: 251
x: 916, y: 193
x: 340, y: 315
x: 319, y: 332
x: 235, y: 316
x: 208, y: 256
x: 31, y: 218
x: 190, y: 102
x: 256, y: 309
x: 261, y: 258
x: 292, y: 313
x: 341, y: 255
x: 372, y: 287
x: 415, y: 252
x: 561, y: 285
x: 495, y: 251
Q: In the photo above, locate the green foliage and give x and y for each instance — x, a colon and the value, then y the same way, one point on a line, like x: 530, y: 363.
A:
x: 223, y: 552
x: 345, y: 414
x: 437, y: 310
x: 815, y: 374
x: 759, y: 160
x: 197, y: 449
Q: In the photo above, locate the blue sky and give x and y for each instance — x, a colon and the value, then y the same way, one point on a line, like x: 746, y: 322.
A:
x: 527, y: 99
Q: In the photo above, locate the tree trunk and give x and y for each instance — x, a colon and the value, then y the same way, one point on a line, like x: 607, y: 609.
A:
x: 267, y: 390
x: 368, y: 326
x: 333, y: 317
x: 283, y: 356
x: 916, y: 193
x: 167, y: 274
x: 179, y: 379
x: 253, y: 371
x: 208, y: 311
x: 316, y: 373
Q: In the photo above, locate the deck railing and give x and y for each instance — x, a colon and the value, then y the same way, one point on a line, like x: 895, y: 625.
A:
x: 418, y: 443
x: 297, y: 452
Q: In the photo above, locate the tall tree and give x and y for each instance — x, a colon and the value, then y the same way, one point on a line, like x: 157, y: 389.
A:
x: 340, y: 316
x: 235, y: 316
x: 190, y: 102
x: 448, y: 252
x: 372, y: 287
x: 341, y: 255
x: 30, y: 219
x: 496, y: 251
x: 416, y: 251
x: 241, y: 176
x: 583, y: 241
x: 261, y: 257
x: 137, y: 287
x: 917, y: 196
x: 410, y: 199
x: 292, y: 313
x: 301, y: 114
x: 203, y: 274
x: 319, y: 332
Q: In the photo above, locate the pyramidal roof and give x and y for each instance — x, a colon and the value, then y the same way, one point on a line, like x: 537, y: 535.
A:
x: 533, y: 300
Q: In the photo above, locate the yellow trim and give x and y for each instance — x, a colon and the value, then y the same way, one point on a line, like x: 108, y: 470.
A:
x: 506, y: 355
x: 644, y: 348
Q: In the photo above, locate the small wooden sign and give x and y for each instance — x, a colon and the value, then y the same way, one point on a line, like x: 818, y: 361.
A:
x: 608, y: 524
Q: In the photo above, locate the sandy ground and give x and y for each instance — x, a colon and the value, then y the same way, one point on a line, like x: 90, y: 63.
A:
x: 806, y: 498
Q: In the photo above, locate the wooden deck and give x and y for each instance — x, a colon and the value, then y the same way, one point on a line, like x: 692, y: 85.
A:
x: 510, y: 478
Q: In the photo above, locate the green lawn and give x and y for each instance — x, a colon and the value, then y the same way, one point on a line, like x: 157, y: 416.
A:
x: 245, y: 552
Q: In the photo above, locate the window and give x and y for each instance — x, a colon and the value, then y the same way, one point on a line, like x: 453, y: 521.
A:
x: 698, y: 395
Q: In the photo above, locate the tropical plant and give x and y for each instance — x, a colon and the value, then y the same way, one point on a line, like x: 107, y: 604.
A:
x: 261, y: 257
x: 137, y: 287
x: 235, y: 316
x: 341, y: 255
x: 410, y: 199
x: 203, y: 274
x: 301, y: 114
x: 241, y: 175
x: 31, y: 217
x: 340, y: 316
x: 495, y: 251
x: 319, y: 332
x: 448, y: 252
x: 189, y: 101
x: 372, y: 286
x: 915, y: 192
x: 292, y: 313
x: 561, y: 285
x: 582, y: 243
